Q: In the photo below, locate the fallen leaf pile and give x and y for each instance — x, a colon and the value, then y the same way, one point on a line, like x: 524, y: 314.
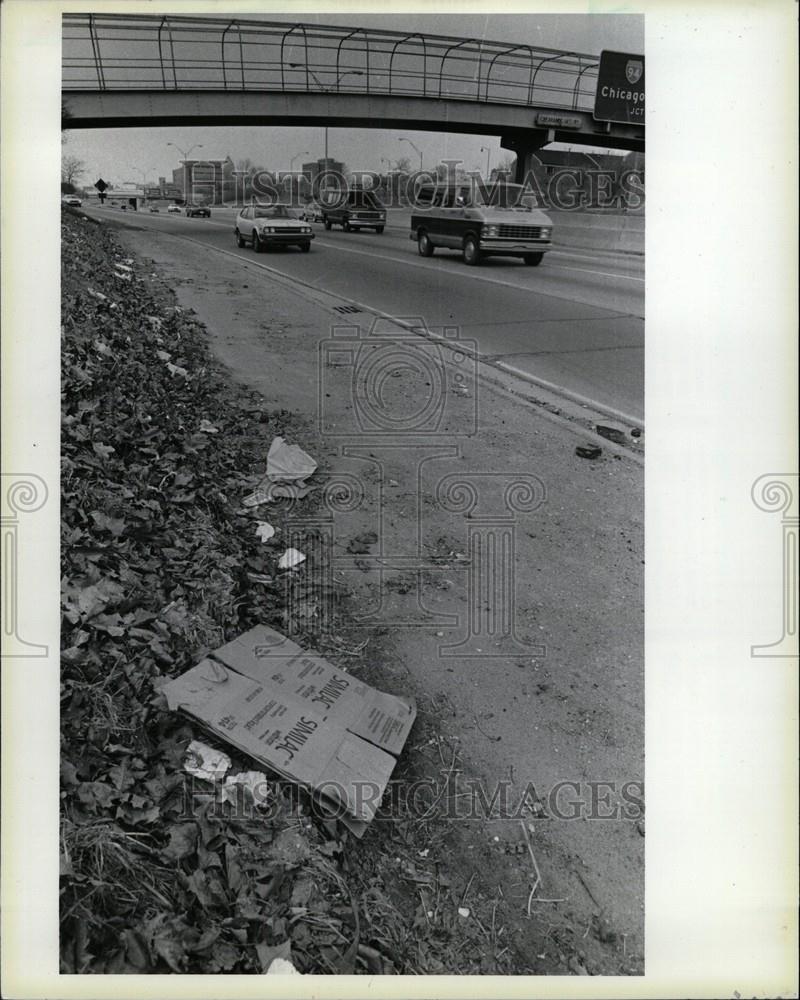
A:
x: 162, y: 871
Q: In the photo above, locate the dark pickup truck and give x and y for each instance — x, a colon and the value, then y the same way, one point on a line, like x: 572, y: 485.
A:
x: 360, y: 210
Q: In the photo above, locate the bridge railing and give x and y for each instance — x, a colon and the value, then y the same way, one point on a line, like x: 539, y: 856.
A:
x: 112, y: 52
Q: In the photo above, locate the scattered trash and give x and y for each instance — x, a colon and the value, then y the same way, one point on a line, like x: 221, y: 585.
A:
x: 203, y: 761
x: 361, y: 543
x: 177, y: 370
x: 275, y: 491
x: 287, y: 468
x: 102, y: 347
x: 163, y: 356
x: 288, y: 462
x: 264, y: 530
x: 611, y: 433
x: 290, y: 559
x: 298, y: 715
x: 255, y: 782
x: 463, y: 911
x: 97, y: 295
x: 282, y: 967
x: 206, y: 427
x: 588, y: 451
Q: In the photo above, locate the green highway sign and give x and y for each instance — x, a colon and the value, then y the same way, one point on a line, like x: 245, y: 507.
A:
x: 620, y: 88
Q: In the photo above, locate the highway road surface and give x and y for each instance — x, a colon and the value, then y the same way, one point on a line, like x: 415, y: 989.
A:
x: 576, y: 322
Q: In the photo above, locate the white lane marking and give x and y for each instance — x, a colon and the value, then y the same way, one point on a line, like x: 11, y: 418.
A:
x: 413, y: 263
x: 294, y: 281
x: 606, y: 274
x: 471, y: 274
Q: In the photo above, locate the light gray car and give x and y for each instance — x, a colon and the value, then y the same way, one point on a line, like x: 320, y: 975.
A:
x: 265, y: 226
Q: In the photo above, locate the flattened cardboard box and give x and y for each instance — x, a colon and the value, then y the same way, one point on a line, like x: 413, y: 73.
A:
x: 300, y: 716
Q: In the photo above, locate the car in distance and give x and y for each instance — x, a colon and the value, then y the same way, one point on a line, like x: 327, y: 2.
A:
x: 312, y: 211
x: 498, y: 221
x: 174, y: 209
x: 265, y: 226
x: 203, y: 211
x: 71, y: 199
x: 360, y: 209
x: 152, y: 208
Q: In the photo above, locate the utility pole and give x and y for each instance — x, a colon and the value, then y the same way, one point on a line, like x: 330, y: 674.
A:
x: 487, y: 150
x: 185, y: 155
x: 419, y: 151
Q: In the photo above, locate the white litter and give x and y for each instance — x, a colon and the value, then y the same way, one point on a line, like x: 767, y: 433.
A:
x: 463, y: 911
x: 290, y: 559
x: 288, y: 462
x: 282, y: 967
x: 266, y: 492
x: 255, y: 782
x: 177, y: 370
x: 163, y: 356
x: 203, y: 761
x: 287, y: 468
x: 264, y: 530
x: 207, y: 427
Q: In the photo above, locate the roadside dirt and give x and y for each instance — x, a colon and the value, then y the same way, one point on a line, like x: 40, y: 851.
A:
x: 553, y: 709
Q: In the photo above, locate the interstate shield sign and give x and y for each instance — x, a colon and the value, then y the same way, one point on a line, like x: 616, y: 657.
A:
x: 620, y: 88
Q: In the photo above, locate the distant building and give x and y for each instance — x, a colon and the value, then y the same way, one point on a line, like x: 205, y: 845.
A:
x: 314, y: 168
x: 584, y: 179
x: 167, y: 189
x: 203, y: 180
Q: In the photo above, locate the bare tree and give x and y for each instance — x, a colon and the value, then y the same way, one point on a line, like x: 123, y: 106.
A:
x: 403, y: 165
x: 72, y: 169
x: 506, y: 165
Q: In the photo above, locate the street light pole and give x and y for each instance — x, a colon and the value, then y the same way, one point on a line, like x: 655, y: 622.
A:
x: 144, y: 179
x: 403, y: 139
x: 185, y: 155
x: 327, y: 90
x: 291, y: 171
x: 487, y: 150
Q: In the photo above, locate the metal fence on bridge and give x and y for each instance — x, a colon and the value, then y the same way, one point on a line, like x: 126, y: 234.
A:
x: 142, y: 52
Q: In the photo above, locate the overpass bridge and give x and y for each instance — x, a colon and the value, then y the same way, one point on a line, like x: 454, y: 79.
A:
x: 145, y: 70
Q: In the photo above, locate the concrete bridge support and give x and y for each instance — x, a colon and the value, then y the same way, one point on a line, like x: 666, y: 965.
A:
x: 524, y: 147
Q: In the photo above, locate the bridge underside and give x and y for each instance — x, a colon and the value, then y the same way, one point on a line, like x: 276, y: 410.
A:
x: 514, y: 123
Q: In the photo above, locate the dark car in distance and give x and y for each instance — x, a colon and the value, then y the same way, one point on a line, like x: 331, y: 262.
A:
x: 360, y: 209
x: 202, y: 211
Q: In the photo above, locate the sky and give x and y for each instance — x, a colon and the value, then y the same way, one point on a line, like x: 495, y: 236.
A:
x: 128, y: 154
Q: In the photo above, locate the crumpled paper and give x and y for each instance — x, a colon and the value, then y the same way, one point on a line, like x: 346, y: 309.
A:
x: 290, y: 559
x: 287, y: 468
x: 255, y: 782
x: 203, y: 761
x: 288, y: 462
